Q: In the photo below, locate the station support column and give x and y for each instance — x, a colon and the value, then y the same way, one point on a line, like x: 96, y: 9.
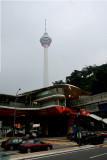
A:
x: 46, y: 129
x: 1, y: 129
x: 27, y: 124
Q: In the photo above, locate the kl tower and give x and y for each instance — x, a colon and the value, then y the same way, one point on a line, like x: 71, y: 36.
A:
x: 45, y: 42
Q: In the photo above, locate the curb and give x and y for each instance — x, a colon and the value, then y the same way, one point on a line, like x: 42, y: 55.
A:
x: 52, y: 153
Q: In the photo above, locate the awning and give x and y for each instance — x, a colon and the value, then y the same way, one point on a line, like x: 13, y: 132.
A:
x: 95, y: 117
x: 105, y: 120
x: 36, y: 125
x: 98, y: 118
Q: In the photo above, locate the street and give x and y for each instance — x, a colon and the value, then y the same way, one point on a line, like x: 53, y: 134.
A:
x: 97, y: 153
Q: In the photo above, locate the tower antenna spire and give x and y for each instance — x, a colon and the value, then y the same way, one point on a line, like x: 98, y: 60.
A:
x: 45, y: 25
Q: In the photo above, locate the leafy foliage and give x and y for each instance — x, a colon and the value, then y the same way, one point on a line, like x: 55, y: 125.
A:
x: 58, y: 82
x: 82, y: 79
x: 90, y: 78
x: 99, y: 80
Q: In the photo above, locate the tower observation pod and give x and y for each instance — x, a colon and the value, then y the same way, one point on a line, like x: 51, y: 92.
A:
x: 45, y: 42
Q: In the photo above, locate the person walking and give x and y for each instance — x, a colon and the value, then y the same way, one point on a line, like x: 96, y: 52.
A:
x: 79, y: 138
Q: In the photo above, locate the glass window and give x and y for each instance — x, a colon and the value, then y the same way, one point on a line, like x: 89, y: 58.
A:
x: 61, y: 90
x: 44, y: 93
x: 15, y: 141
x: 92, y: 133
x: 9, y: 141
x: 88, y: 133
x: 27, y: 135
x: 23, y: 142
x: 83, y: 133
x: 37, y: 142
x: 20, y: 140
x: 30, y: 142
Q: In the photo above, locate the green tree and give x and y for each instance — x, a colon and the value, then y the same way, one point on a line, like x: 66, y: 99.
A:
x: 82, y: 78
x: 58, y: 82
x: 90, y: 78
x: 99, y: 80
x: 74, y: 78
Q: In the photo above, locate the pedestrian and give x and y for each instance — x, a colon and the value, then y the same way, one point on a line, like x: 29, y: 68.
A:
x: 79, y: 138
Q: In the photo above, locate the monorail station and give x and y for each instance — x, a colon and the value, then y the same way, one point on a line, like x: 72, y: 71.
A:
x: 55, y: 110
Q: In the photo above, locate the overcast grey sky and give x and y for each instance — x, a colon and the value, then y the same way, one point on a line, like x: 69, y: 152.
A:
x: 79, y: 38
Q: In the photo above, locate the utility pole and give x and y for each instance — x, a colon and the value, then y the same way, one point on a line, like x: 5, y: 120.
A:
x: 15, y: 112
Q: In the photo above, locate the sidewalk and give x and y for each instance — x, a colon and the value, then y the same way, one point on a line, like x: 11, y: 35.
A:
x: 4, y: 139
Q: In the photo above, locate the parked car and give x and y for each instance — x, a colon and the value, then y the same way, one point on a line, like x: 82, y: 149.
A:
x: 34, y: 145
x: 10, y: 134
x: 104, y: 134
x: 89, y: 137
x: 72, y: 136
x: 29, y: 136
x: 11, y: 144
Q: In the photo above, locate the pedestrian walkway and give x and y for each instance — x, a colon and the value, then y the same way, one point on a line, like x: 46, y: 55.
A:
x: 58, y: 141
x: 3, y: 139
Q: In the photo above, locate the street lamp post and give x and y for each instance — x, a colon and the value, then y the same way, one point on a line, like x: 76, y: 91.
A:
x: 15, y: 112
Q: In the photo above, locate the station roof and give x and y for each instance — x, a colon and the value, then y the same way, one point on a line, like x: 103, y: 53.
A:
x: 71, y: 92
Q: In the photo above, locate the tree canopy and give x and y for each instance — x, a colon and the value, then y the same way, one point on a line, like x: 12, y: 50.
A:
x: 90, y: 78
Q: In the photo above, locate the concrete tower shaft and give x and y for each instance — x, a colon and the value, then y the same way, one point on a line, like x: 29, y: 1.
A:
x: 45, y: 74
